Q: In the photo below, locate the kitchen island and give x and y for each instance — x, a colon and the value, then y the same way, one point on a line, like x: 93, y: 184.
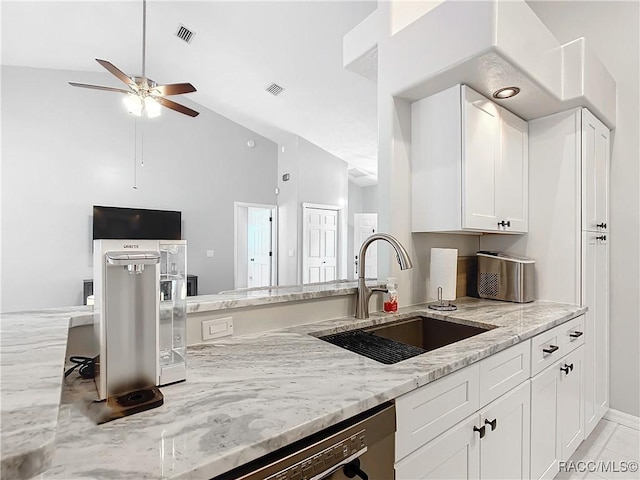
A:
x: 248, y: 395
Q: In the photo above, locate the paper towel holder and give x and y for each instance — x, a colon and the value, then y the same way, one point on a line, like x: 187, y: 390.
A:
x: 443, y: 305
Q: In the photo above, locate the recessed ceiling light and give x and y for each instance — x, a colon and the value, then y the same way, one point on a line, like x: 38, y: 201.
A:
x: 506, y: 92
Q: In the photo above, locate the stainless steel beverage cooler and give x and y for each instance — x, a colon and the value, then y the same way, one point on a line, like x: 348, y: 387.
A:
x: 140, y: 314
x: 127, y: 301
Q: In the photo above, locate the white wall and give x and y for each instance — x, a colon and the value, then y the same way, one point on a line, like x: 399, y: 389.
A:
x: 611, y: 29
x: 394, y: 187
x: 316, y: 177
x: 65, y: 149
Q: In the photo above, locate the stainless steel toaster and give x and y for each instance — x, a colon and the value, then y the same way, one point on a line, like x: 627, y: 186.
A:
x: 505, y: 277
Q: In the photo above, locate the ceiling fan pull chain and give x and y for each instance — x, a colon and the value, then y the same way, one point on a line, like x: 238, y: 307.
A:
x: 142, y: 150
x: 135, y: 153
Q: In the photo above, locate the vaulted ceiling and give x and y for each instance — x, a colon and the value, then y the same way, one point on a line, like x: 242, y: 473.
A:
x: 238, y: 50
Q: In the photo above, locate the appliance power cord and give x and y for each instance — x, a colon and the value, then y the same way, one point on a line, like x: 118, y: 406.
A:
x: 85, y: 365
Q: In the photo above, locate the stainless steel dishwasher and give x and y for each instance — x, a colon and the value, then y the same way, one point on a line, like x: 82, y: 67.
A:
x: 361, y: 448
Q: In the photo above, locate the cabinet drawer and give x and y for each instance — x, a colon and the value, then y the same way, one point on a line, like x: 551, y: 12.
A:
x: 572, y: 334
x: 549, y: 346
x: 546, y: 349
x: 427, y: 412
x: 503, y: 371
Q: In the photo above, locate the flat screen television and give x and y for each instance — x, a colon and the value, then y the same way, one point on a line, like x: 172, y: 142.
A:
x: 136, y: 224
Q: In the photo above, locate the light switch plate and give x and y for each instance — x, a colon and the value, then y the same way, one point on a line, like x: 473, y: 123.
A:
x: 216, y: 328
x: 210, y: 253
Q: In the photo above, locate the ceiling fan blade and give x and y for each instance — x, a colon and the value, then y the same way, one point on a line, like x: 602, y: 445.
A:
x: 174, y: 89
x: 118, y: 73
x: 99, y: 87
x: 176, y: 106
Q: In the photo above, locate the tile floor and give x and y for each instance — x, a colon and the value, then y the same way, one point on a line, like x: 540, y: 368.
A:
x: 609, y: 442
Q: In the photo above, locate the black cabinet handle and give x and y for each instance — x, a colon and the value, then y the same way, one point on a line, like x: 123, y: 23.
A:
x: 353, y: 469
x: 567, y: 368
x: 601, y: 225
x: 601, y: 237
x: 576, y: 334
x: 504, y: 224
x: 551, y: 349
x: 493, y: 423
x: 481, y: 430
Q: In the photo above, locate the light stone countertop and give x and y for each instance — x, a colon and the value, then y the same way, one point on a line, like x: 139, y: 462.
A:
x: 31, y: 384
x: 249, y: 395
x: 251, y: 297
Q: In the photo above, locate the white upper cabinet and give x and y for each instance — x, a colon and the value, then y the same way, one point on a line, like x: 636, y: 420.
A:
x: 595, y: 174
x: 469, y: 165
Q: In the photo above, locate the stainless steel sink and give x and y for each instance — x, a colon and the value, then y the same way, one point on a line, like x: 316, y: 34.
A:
x: 398, y: 341
x: 425, y: 333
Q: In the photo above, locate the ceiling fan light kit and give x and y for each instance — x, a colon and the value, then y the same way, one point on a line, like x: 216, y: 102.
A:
x: 144, y: 97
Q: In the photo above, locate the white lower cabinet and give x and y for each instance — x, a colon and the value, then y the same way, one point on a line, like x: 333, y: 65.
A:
x: 557, y: 414
x: 490, y: 444
x: 452, y: 455
x: 571, y: 403
x: 545, y: 433
x: 504, y: 449
x: 513, y: 415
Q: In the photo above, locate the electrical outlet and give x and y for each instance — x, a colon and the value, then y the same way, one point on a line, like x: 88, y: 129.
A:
x: 210, y: 253
x: 219, y: 327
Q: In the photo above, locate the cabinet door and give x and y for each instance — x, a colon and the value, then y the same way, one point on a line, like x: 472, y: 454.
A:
x: 571, y: 403
x: 504, y: 450
x: 480, y: 151
x: 512, y: 174
x: 453, y: 455
x: 545, y: 434
x: 595, y: 173
x: 427, y: 412
x: 595, y: 295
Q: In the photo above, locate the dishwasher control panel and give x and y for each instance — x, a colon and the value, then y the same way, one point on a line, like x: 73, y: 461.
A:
x: 321, y: 464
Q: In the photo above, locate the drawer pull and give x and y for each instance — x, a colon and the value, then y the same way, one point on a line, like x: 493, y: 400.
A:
x: 601, y: 237
x: 551, y: 349
x: 567, y: 368
x: 576, y: 334
x: 504, y: 224
x: 493, y: 423
x: 481, y: 430
x: 601, y: 225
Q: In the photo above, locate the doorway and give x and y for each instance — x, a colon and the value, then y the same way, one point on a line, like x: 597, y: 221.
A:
x: 365, y: 225
x: 255, y: 245
x: 320, y: 250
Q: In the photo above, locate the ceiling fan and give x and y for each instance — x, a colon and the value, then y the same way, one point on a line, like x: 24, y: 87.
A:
x: 144, y: 95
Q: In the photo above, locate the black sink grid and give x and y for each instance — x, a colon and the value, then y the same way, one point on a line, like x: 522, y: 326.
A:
x: 377, y: 348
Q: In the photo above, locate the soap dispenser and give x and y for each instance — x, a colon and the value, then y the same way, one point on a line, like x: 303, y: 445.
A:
x: 390, y: 304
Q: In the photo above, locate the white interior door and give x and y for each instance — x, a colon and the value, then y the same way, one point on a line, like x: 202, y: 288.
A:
x: 365, y: 225
x: 259, y: 250
x: 320, y: 245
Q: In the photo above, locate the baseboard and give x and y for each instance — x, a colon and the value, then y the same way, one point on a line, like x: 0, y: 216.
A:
x: 622, y: 418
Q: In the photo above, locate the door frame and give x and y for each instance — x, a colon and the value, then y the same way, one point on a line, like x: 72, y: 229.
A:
x: 339, y: 237
x: 274, y: 240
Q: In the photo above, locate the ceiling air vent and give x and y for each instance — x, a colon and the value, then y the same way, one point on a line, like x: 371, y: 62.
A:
x: 274, y: 89
x: 183, y: 33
